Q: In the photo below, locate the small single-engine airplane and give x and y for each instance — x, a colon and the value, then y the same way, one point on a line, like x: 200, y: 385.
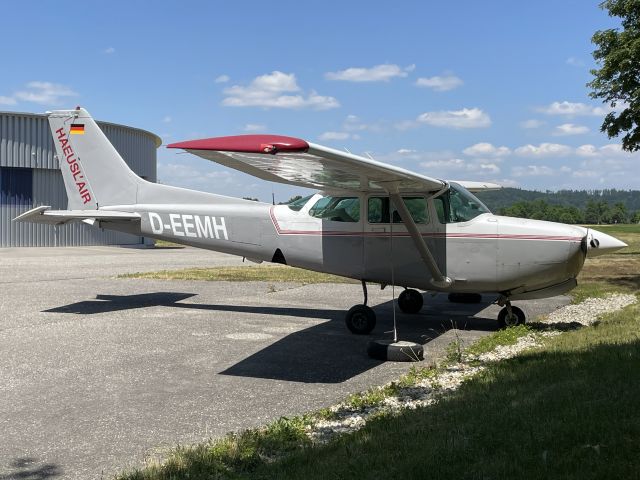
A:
x: 372, y: 221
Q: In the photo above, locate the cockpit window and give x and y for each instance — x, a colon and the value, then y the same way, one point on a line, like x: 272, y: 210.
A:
x: 458, y: 205
x: 337, y: 209
x: 297, y: 205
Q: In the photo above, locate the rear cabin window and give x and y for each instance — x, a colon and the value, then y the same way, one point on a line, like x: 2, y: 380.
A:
x: 337, y: 209
x: 379, y: 207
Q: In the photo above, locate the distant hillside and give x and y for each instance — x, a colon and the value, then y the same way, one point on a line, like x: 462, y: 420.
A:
x: 500, y: 199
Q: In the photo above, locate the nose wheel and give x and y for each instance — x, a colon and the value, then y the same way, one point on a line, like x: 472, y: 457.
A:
x: 511, y: 316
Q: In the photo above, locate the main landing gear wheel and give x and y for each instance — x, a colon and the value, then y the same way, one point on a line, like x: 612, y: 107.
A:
x: 511, y: 318
x: 360, y: 319
x: 410, y: 301
x: 388, y: 350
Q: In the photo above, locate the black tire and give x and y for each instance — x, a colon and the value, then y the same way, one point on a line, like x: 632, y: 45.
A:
x: 455, y: 297
x: 410, y: 301
x: 518, y: 317
x: 360, y: 319
x: 386, y: 350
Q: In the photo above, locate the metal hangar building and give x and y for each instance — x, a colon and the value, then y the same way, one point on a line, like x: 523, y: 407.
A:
x: 30, y: 177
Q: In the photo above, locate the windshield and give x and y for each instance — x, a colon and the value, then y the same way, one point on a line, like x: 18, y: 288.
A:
x: 458, y: 205
x: 296, y: 205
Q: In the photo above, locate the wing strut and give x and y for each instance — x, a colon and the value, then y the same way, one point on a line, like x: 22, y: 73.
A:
x: 439, y: 280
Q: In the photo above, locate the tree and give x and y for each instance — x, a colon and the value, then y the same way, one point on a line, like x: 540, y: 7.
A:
x: 251, y: 198
x: 619, y: 213
x: 597, y: 212
x: 617, y: 81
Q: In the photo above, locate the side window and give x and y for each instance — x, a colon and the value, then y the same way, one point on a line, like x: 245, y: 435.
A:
x: 379, y: 207
x: 378, y: 210
x: 442, y: 208
x: 417, y: 206
x: 337, y: 209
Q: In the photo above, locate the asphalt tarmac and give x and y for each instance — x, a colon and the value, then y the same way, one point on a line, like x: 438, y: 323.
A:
x: 99, y: 373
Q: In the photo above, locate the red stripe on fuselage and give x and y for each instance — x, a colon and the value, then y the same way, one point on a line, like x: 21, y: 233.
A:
x: 338, y: 233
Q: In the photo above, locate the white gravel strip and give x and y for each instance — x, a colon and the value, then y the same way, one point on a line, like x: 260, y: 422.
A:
x: 430, y: 391
x: 587, y: 312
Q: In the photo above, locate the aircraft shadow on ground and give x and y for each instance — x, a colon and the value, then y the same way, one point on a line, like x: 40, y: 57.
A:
x: 329, y: 353
x: 28, y: 468
x: 323, y: 353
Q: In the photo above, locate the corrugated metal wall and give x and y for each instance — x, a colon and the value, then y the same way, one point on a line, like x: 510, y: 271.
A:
x: 25, y: 141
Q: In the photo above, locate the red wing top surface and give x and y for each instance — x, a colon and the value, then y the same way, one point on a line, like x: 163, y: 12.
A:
x: 298, y: 162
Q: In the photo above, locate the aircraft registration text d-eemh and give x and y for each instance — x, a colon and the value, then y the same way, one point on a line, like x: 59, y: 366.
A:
x: 438, y: 235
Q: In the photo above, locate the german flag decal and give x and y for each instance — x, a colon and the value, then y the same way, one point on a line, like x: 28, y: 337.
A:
x: 77, y: 129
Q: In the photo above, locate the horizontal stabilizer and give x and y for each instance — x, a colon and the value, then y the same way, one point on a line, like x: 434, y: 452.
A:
x: 45, y: 215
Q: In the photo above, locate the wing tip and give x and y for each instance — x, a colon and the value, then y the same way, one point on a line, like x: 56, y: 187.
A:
x: 246, y: 144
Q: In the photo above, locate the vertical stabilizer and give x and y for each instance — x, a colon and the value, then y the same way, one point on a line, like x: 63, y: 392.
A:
x: 94, y: 173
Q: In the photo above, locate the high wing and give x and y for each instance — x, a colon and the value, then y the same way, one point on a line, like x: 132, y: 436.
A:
x: 45, y: 215
x: 297, y: 162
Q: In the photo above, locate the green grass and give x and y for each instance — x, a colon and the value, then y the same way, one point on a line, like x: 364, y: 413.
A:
x: 267, y: 273
x: 166, y: 244
x: 508, y: 336
x: 617, y: 272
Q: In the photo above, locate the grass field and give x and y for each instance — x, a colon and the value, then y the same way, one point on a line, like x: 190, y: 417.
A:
x: 253, y: 273
x: 619, y: 271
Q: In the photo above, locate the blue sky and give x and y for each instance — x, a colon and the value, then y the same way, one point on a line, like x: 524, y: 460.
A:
x: 469, y: 90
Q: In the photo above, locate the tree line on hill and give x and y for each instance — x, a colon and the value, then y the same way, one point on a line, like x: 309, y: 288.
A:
x: 567, y: 206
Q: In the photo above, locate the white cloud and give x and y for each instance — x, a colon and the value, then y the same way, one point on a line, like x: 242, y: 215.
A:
x: 7, y: 100
x: 440, y: 83
x: 532, y: 171
x: 465, y: 118
x: 587, y: 151
x: 543, y: 150
x: 456, y: 165
x: 44, y: 93
x: 574, y: 62
x: 449, y: 163
x: 484, y: 149
x: 167, y: 119
x: 612, y: 150
x: 109, y: 50
x: 615, y: 150
x: 489, y: 168
x: 531, y: 123
x: 570, y: 129
x: 254, y: 127
x: 573, y: 109
x: 276, y: 90
x: 405, y: 151
x: 353, y: 124
x: 379, y: 73
x: 335, y: 136
x: 222, y: 79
